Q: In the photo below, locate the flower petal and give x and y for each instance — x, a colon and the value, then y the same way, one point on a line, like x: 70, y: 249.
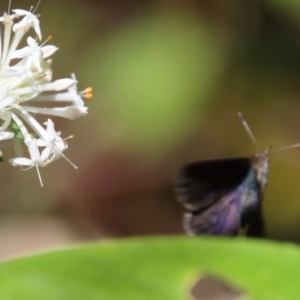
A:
x: 69, y: 112
x: 20, y: 161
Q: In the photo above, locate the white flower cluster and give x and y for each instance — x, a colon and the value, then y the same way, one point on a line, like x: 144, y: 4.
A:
x: 25, y: 79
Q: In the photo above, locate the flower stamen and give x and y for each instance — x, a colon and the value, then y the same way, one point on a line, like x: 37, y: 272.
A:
x: 87, y: 93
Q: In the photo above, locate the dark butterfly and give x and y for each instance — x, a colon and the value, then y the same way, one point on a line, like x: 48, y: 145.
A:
x: 224, y: 196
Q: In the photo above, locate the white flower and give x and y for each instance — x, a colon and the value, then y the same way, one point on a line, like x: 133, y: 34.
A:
x: 29, y: 20
x: 25, y: 84
x: 53, y: 143
x: 6, y: 136
x: 36, y: 159
x: 33, y: 52
x: 52, y: 139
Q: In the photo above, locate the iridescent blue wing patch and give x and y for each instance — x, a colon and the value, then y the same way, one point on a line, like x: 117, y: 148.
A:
x: 222, y: 197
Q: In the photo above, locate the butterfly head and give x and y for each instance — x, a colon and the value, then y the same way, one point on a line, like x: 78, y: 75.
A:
x: 260, y: 163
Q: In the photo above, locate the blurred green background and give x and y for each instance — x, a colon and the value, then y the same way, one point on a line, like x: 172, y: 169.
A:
x: 169, y: 78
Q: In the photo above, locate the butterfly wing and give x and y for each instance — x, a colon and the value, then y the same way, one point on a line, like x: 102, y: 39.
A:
x: 200, y: 184
x: 221, y: 197
x: 222, y: 218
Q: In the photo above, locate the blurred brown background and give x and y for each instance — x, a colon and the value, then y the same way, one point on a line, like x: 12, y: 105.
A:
x: 169, y: 78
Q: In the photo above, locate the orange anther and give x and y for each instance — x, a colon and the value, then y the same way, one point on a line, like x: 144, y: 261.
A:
x: 88, y: 89
x: 88, y: 96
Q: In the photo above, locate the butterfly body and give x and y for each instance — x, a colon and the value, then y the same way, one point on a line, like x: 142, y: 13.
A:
x: 224, y: 197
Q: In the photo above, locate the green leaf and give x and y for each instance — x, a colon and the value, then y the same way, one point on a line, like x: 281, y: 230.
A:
x: 154, y: 268
x: 16, y: 130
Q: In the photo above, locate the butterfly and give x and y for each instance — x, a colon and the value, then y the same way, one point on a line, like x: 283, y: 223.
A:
x: 225, y: 196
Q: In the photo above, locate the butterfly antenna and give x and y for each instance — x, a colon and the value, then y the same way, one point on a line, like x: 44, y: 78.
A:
x: 286, y: 148
x: 245, y: 124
